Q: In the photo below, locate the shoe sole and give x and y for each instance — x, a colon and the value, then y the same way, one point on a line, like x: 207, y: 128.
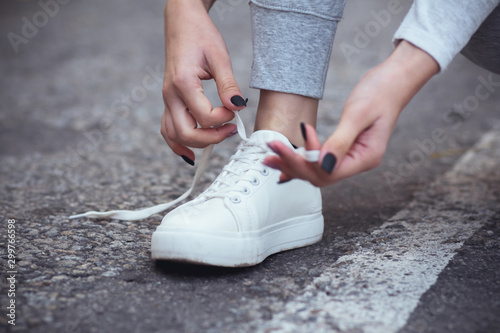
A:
x: 235, y: 249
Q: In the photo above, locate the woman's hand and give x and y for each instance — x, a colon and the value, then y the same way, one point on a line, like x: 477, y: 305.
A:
x: 368, y: 118
x: 195, y: 51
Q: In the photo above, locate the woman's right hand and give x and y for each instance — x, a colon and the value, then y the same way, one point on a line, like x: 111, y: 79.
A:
x: 195, y: 51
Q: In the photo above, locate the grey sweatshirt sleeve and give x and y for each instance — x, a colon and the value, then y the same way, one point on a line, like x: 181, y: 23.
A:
x: 443, y: 27
x: 292, y: 42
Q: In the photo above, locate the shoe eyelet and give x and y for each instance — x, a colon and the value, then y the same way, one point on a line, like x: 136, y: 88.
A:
x: 235, y: 200
x: 246, y: 191
x: 255, y: 182
x: 265, y: 172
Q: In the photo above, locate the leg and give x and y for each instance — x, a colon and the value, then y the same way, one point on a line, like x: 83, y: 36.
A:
x: 292, y: 43
x: 283, y: 112
x: 246, y: 214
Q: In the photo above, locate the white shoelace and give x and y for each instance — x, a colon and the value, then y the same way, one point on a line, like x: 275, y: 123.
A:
x: 234, y: 177
x: 215, y: 189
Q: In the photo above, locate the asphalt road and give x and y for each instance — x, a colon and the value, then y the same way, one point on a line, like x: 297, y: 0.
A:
x: 412, y: 246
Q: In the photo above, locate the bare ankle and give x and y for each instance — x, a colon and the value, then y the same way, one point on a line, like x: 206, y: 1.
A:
x: 283, y: 112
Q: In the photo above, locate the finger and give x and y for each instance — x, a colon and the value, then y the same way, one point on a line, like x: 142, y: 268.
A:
x: 311, y: 140
x: 291, y: 163
x: 189, y: 134
x: 227, y: 87
x: 284, y: 178
x: 189, y: 89
x: 168, y: 131
x: 340, y: 142
x: 275, y: 162
x: 366, y: 152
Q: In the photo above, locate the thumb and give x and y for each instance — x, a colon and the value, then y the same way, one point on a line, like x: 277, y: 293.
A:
x: 336, y: 148
x: 229, y: 91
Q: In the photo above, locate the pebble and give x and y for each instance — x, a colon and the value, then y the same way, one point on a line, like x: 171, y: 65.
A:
x: 315, y: 272
x: 109, y: 273
x: 59, y: 278
x: 24, y: 263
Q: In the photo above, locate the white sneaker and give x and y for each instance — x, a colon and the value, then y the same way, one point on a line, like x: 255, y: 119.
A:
x: 244, y: 216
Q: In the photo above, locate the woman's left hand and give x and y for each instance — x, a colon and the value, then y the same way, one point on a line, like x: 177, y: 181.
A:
x: 368, y: 118
x: 357, y: 145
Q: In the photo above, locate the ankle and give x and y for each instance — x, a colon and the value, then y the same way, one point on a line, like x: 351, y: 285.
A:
x: 283, y: 113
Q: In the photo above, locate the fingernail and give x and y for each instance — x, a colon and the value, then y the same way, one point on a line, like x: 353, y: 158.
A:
x: 238, y: 101
x: 283, y: 181
x: 233, y: 133
x: 329, y: 162
x: 187, y: 160
x: 303, y: 130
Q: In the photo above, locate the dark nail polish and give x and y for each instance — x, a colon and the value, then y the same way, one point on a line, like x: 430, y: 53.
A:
x: 238, y: 101
x: 303, y: 130
x: 283, y: 181
x: 246, y: 101
x: 187, y: 160
x: 233, y: 133
x: 329, y: 162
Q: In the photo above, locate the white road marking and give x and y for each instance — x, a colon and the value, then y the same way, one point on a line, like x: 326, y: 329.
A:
x: 376, y: 288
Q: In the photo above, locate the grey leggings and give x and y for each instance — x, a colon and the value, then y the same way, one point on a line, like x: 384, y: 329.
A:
x: 292, y: 42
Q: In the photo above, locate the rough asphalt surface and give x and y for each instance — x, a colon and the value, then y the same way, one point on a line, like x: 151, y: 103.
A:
x: 80, y: 105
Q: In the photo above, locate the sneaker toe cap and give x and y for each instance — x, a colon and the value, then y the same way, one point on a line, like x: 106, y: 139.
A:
x: 209, y: 215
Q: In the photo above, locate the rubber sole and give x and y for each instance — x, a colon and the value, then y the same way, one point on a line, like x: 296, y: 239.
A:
x: 235, y: 249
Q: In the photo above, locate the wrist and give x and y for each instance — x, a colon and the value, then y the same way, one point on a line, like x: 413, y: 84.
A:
x: 404, y: 73
x: 412, y: 65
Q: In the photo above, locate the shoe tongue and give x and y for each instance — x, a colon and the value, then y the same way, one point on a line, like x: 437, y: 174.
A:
x: 264, y: 136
